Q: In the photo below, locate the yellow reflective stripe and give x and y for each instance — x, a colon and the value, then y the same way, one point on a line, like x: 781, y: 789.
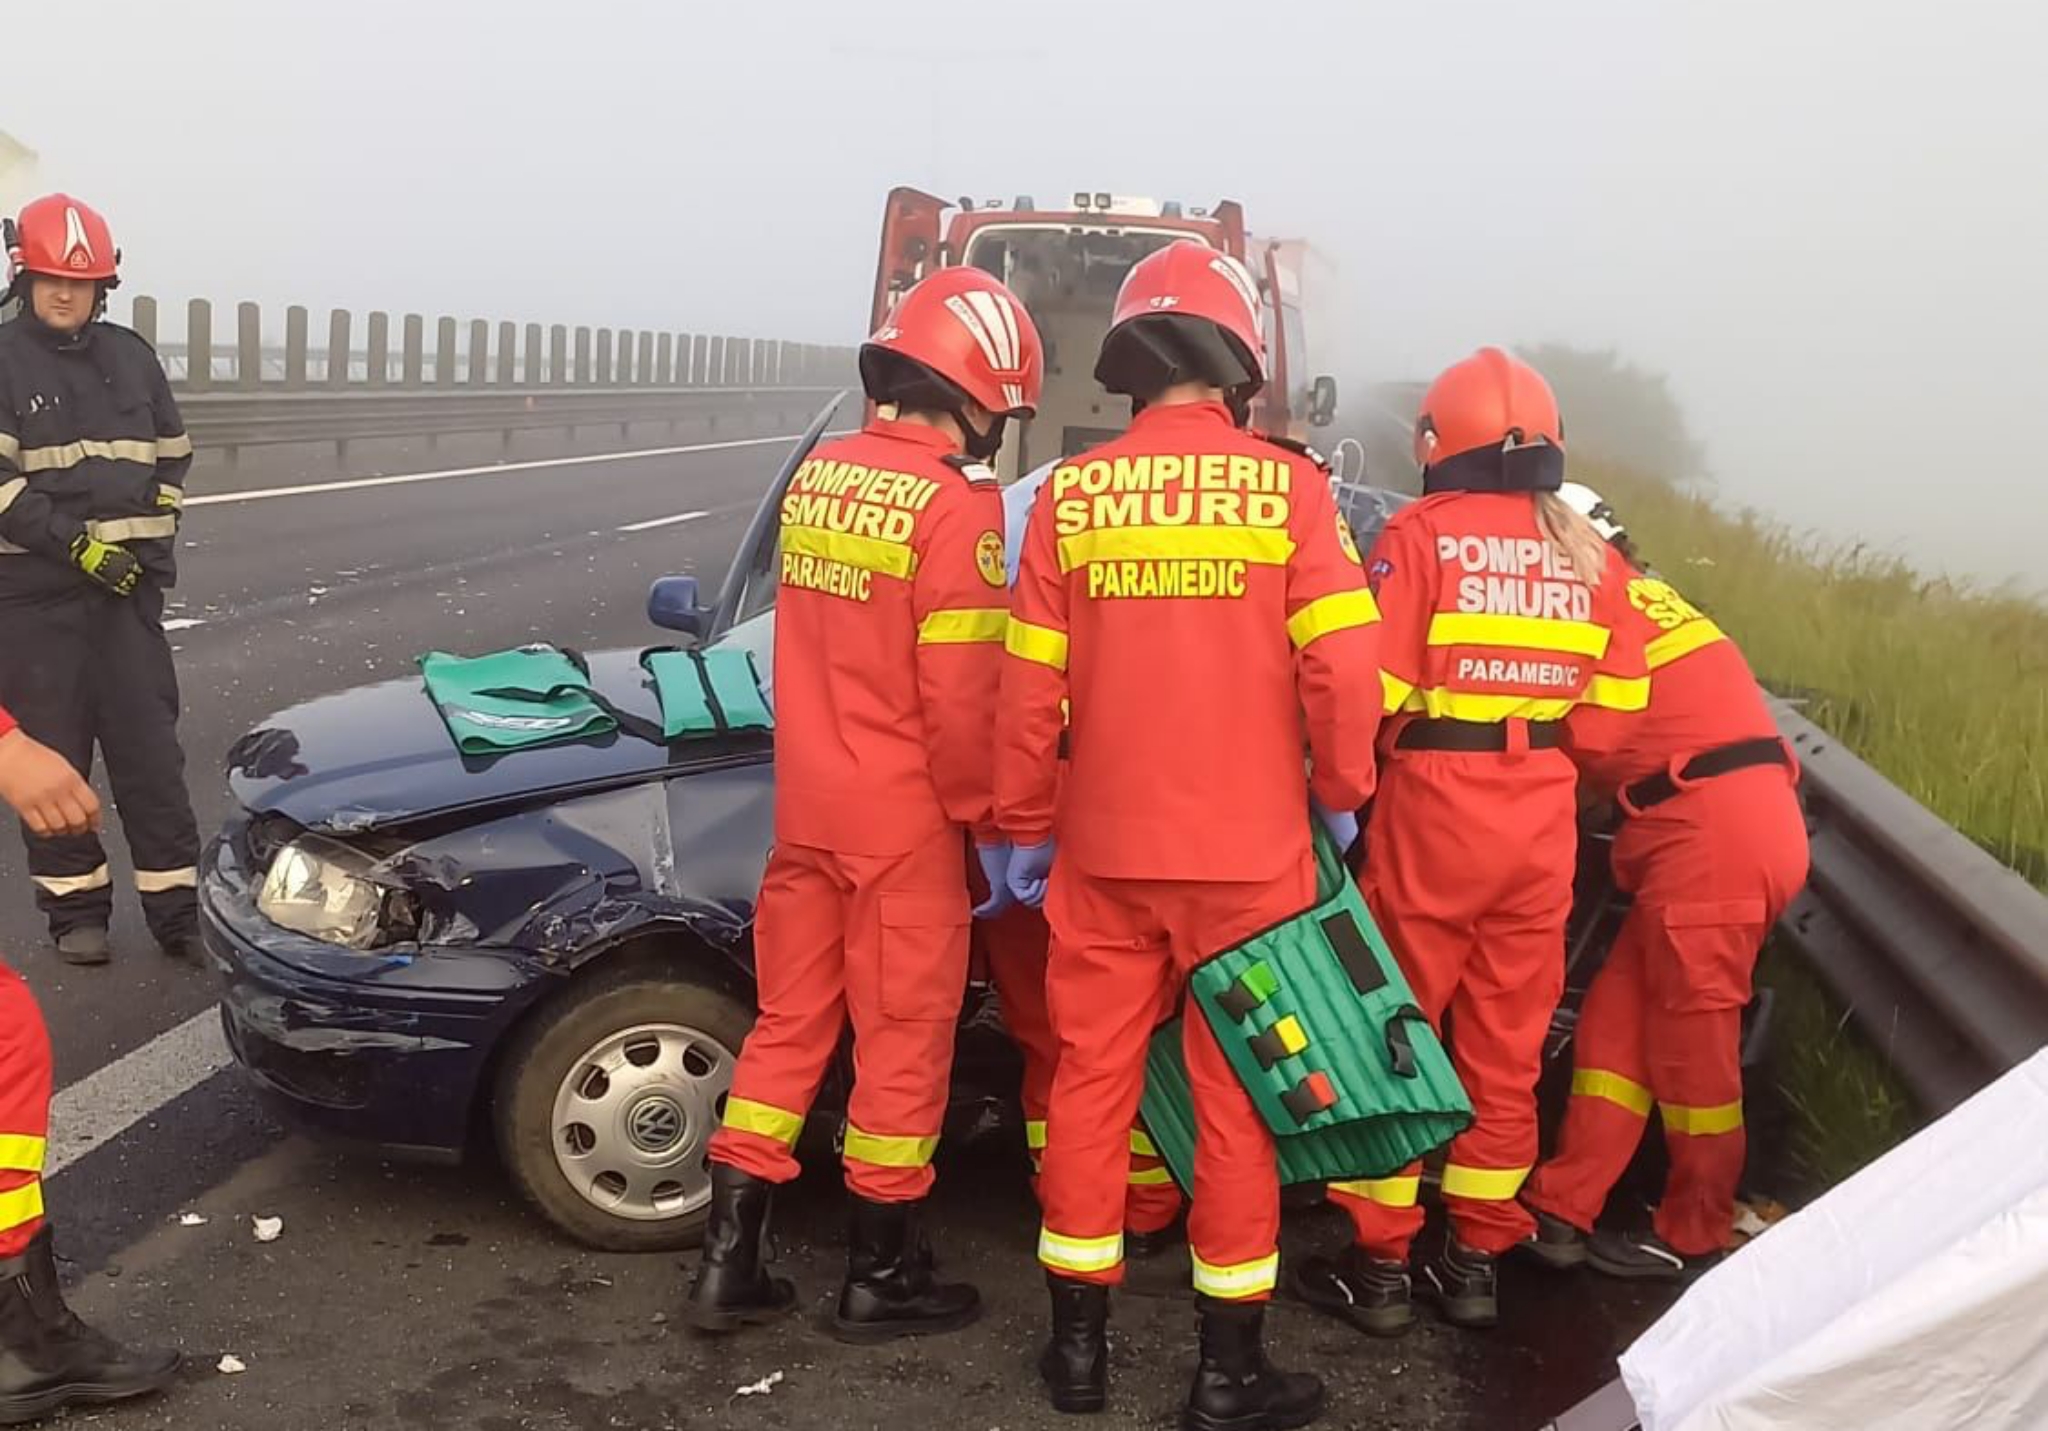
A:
x: 1599, y: 1083
x: 134, y: 529
x: 11, y: 489
x: 21, y: 1152
x: 1529, y: 633
x: 1241, y: 1279
x: 70, y: 454
x: 175, y: 446
x: 157, y: 881
x: 1034, y: 1133
x: 1618, y: 693
x: 1151, y: 1177
x: 1079, y: 1254
x: 964, y: 626
x: 1036, y: 643
x: 1337, y: 612
x: 1387, y: 1192
x: 1142, y: 1144
x: 1261, y: 546
x: 744, y: 1115
x: 172, y: 498
x: 10, y: 447
x: 1394, y: 690
x: 888, y: 1150
x: 1682, y: 642
x: 21, y: 1206
x: 1438, y: 702
x: 1703, y: 1122
x: 866, y: 553
x: 1483, y: 1184
x: 62, y: 885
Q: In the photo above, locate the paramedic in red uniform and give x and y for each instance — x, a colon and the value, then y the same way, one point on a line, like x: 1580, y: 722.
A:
x: 1498, y: 603
x: 888, y: 650
x: 1712, y: 847
x: 1190, y: 591
x: 48, y: 1358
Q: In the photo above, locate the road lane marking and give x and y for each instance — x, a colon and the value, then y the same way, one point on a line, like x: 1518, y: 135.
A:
x: 401, y: 479
x: 663, y: 522
x: 107, y: 1102
x: 183, y: 623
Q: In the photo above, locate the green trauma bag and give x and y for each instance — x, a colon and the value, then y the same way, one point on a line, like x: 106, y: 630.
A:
x: 1320, y: 1027
x: 707, y: 692
x: 510, y: 700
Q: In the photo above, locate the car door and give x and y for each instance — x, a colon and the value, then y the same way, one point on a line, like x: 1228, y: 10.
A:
x: 747, y: 596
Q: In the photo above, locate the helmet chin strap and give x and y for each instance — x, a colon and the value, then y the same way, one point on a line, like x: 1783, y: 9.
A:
x: 981, y: 446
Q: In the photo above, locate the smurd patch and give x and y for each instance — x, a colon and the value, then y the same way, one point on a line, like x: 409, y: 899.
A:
x: 1346, y: 540
x: 988, y: 558
x: 1378, y: 572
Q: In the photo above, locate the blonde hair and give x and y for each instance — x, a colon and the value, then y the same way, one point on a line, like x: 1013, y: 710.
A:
x: 1573, y: 535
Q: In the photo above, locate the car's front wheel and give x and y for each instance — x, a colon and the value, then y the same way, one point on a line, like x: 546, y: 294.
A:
x: 606, y: 1103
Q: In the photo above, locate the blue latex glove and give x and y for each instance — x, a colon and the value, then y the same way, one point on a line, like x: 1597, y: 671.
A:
x: 1342, y: 825
x: 1030, y: 868
x: 995, y: 868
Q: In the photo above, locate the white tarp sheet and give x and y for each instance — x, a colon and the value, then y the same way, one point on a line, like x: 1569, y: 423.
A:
x: 1913, y: 1297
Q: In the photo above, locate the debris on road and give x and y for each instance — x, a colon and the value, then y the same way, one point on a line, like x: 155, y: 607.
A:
x: 232, y: 1366
x: 268, y: 1229
x: 191, y: 1219
x: 762, y: 1387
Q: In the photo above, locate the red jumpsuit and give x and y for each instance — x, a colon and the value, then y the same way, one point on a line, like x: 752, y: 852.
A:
x: 1711, y: 867
x: 1018, y: 955
x: 1490, y: 639
x: 24, y: 1104
x: 888, y: 648
x: 1191, y: 591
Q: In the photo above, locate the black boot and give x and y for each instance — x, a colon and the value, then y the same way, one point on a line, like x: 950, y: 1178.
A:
x: 732, y: 1288
x: 1075, y: 1366
x: 1235, y: 1390
x: 1555, y: 1243
x: 1371, y: 1293
x: 890, y: 1290
x: 87, y: 944
x: 1645, y: 1257
x: 49, y: 1359
x: 1464, y: 1284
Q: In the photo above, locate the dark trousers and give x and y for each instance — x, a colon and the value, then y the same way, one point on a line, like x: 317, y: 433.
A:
x: 82, y: 669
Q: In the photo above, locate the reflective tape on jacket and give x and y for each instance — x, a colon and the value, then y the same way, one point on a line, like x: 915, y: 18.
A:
x: 886, y: 1150
x: 1238, y: 1280
x: 169, y: 497
x: 1394, y: 690
x: 125, y: 449
x: 1624, y: 1092
x: 22, y: 1152
x: 1618, y: 693
x: 865, y: 553
x: 964, y: 626
x: 1340, y: 611
x: 1034, y: 1133
x: 744, y: 1115
x: 159, y: 528
x: 1683, y: 642
x: 1483, y: 1184
x: 10, y: 489
x: 1079, y: 1254
x: 1041, y: 644
x: 158, y: 881
x: 1387, y: 1192
x: 1142, y: 1144
x: 173, y: 447
x: 1703, y: 1122
x: 1151, y: 1177
x: 10, y: 448
x: 62, y: 885
x: 1523, y: 633
x: 21, y: 1206
x: 1260, y: 546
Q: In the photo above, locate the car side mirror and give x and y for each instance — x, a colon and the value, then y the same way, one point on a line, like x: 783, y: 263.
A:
x: 672, y: 605
x: 1322, y: 402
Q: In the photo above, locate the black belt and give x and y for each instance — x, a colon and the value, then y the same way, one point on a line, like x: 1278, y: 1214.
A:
x: 1721, y: 760
x: 1444, y: 733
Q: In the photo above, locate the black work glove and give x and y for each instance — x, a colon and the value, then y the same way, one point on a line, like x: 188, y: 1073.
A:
x: 110, y: 566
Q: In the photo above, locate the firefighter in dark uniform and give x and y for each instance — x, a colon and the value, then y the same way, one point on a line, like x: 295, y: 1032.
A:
x: 93, y: 457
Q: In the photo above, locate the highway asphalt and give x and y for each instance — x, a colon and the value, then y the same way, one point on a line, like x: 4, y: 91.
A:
x: 406, y: 1297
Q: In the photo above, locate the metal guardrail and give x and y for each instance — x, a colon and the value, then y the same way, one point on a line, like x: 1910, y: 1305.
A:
x: 1938, y: 950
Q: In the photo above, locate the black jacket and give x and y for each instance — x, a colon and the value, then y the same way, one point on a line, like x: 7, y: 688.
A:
x: 90, y: 441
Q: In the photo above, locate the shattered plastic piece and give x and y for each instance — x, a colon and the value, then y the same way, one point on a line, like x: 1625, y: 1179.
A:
x: 268, y: 1229
x: 191, y: 1219
x: 232, y: 1366
x: 762, y: 1387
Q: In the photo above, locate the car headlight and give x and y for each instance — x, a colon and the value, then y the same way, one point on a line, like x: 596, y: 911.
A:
x: 328, y: 891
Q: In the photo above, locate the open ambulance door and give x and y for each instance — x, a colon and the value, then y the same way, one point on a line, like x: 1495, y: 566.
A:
x: 910, y: 247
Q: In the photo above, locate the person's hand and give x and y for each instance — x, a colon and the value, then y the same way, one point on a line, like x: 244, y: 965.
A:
x: 44, y: 790
x: 995, y: 868
x: 112, y: 567
x: 1030, y: 868
x: 1342, y: 825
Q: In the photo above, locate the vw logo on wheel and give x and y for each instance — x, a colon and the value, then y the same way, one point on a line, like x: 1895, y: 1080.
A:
x: 655, y: 1126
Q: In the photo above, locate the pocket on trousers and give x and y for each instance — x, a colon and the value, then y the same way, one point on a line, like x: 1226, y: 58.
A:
x: 1711, y: 954
x: 924, y: 954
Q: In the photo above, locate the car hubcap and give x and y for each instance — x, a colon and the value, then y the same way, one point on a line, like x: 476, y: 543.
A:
x: 634, y: 1118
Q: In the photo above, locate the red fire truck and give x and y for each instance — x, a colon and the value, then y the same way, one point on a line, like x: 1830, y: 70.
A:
x: 1066, y: 265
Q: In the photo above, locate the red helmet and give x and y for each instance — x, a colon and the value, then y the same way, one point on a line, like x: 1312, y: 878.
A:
x: 962, y: 326
x: 1185, y: 313
x: 64, y: 238
x: 1496, y: 426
